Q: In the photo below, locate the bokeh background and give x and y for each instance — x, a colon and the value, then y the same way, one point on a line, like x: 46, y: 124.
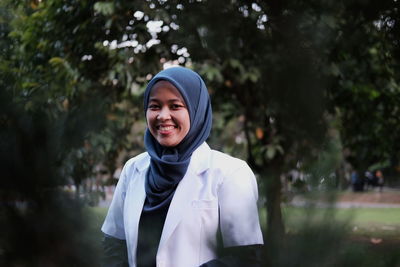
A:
x: 306, y: 91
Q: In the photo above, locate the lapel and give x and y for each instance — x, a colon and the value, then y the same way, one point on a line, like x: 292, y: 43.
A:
x: 185, y: 192
x: 135, y: 197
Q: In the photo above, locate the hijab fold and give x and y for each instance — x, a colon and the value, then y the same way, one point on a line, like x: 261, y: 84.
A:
x: 168, y: 165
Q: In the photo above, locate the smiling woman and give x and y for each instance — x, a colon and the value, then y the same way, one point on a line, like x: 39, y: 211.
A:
x: 182, y: 204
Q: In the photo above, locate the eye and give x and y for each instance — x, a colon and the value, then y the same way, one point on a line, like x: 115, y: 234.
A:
x: 177, y: 106
x: 153, y: 106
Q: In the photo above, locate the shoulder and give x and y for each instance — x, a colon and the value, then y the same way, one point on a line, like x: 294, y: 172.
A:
x: 139, y: 162
x: 234, y: 177
x: 225, y: 161
x: 227, y: 166
x: 217, y: 162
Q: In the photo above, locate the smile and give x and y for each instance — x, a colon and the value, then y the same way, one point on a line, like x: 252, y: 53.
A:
x: 165, y: 128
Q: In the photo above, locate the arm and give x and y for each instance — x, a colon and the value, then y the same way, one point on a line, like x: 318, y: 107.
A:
x: 239, y: 222
x: 113, y: 225
x: 237, y: 198
x: 114, y: 244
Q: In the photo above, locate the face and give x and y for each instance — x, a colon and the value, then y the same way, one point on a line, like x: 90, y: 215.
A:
x: 167, y: 115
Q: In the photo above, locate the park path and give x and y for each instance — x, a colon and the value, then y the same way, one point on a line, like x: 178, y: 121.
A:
x: 388, y: 198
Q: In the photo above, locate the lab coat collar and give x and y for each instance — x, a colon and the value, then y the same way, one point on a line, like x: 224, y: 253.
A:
x: 200, y: 160
x: 143, y: 163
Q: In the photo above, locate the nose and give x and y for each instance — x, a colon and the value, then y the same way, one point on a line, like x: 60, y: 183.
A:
x: 164, y: 114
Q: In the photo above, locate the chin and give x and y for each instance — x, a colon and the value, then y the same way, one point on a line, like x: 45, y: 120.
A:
x: 167, y: 143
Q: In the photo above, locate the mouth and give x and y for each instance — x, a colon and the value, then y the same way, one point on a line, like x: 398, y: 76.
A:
x: 165, y: 128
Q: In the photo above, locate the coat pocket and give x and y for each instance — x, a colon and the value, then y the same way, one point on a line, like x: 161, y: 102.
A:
x: 206, y: 212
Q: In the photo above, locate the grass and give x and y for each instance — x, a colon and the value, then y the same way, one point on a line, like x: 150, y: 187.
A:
x: 317, y: 236
x: 362, y: 224
x: 366, y: 216
x: 321, y: 236
x: 385, y: 221
x: 96, y: 217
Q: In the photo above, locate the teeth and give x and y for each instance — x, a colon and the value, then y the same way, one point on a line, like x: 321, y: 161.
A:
x: 166, y: 128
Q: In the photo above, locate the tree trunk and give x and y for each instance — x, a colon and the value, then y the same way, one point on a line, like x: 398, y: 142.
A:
x: 273, y: 190
x: 275, y: 235
x: 77, y: 189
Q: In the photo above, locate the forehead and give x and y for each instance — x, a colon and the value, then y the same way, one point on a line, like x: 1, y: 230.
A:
x: 165, y: 89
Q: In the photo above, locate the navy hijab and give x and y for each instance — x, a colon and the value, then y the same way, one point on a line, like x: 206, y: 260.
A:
x: 168, y: 165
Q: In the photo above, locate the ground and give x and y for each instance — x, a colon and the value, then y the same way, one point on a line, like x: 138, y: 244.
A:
x: 385, y: 197
x: 388, y: 198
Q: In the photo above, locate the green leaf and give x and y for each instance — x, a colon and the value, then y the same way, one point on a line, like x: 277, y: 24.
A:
x: 105, y: 8
x: 271, y: 151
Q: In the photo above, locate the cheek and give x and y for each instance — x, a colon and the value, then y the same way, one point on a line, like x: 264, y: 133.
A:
x: 149, y: 117
x: 186, y: 121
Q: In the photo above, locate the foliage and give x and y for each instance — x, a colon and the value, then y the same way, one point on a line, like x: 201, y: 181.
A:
x: 366, y: 90
x: 289, y: 69
x: 63, y: 110
x: 282, y: 76
x: 73, y: 62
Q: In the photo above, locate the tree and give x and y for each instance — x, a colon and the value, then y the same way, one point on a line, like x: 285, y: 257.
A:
x: 61, y: 86
x: 73, y: 74
x: 365, y: 91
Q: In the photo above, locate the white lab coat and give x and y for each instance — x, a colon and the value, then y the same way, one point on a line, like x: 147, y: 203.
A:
x: 216, y: 191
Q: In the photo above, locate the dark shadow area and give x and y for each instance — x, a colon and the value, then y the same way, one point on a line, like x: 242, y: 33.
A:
x: 43, y: 225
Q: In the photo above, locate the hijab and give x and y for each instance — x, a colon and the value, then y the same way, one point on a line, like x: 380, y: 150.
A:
x: 168, y: 165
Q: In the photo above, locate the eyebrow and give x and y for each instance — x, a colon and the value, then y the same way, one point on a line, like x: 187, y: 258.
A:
x: 169, y: 100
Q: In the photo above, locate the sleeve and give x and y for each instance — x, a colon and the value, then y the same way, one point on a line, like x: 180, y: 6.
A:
x: 114, y: 223
x: 237, y: 197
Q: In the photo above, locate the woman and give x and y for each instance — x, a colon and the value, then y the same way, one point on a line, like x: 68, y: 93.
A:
x: 176, y: 204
